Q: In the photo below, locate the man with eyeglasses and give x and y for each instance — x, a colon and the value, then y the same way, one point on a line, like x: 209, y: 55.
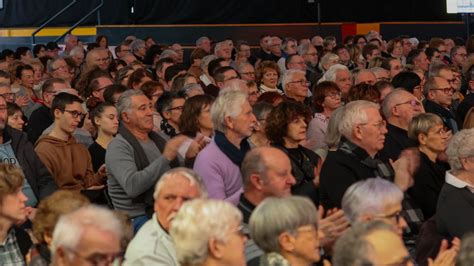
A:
x: 68, y: 161
x: 98, y: 57
x: 439, y: 97
x: 58, y: 68
x: 96, y: 239
x: 458, y: 56
x: 295, y: 85
x: 42, y: 117
x: 418, y: 59
x: 170, y: 106
x: 399, y: 107
x: 246, y: 71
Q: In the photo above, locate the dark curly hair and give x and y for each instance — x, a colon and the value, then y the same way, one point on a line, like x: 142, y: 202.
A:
x: 280, y: 117
x: 188, y: 122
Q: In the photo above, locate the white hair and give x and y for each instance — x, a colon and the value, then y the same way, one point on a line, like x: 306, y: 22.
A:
x: 218, y: 47
x: 201, y: 40
x: 193, y: 178
x: 168, y: 53
x: 229, y: 103
x: 383, y: 193
x: 354, y: 113
x: 330, y: 74
x: 137, y: 44
x: 76, y: 50
x: 206, y: 60
x: 196, y: 223
x: 70, y: 227
x: 460, y: 146
x: 235, y: 85
x: 288, y: 77
x: 328, y: 57
x: 391, y: 100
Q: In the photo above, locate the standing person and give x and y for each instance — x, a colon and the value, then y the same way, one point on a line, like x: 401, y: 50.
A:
x: 105, y: 119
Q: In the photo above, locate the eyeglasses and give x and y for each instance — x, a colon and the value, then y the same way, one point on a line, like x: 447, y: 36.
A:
x: 179, y: 108
x: 76, y: 114
x: 461, y: 55
x: 101, y: 258
x: 396, y: 215
x: 247, y: 73
x: 379, y: 125
x: 442, y: 131
x: 413, y: 103
x: 61, y: 67
x: 7, y: 95
x: 303, y: 82
x: 445, y: 90
x: 334, y: 95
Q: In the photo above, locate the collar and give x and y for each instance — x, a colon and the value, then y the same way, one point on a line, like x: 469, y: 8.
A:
x: 10, y: 234
x: 457, y: 183
x: 246, y: 207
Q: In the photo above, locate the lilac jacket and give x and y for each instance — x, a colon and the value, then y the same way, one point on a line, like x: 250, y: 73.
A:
x: 220, y: 175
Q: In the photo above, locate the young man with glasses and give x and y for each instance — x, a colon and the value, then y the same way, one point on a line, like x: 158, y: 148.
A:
x: 68, y: 161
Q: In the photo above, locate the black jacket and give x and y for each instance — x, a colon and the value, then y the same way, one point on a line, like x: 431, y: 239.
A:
x: 446, y: 115
x: 464, y: 107
x: 396, y: 140
x: 429, y: 179
x: 38, y: 176
x: 40, y: 120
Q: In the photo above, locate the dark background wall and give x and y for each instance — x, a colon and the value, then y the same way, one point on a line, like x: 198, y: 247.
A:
x: 28, y: 13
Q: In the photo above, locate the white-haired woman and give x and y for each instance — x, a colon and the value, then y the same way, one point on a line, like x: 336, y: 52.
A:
x: 455, y: 210
x: 208, y: 232
x: 286, y: 229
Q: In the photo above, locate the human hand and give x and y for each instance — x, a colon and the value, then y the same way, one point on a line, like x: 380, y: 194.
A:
x: 196, y: 146
x: 331, y: 227
x: 446, y: 257
x: 171, y: 148
x: 405, y: 167
x: 22, y: 100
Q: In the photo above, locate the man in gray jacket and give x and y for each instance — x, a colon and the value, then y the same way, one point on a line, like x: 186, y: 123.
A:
x: 137, y: 157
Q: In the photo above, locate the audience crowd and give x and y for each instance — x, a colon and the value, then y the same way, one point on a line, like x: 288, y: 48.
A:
x: 295, y: 152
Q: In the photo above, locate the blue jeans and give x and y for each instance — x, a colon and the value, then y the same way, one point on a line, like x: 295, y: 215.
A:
x: 138, y: 222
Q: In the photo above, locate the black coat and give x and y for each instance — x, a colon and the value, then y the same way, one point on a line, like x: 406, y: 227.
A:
x: 38, y: 176
x: 396, y: 140
x: 429, y: 179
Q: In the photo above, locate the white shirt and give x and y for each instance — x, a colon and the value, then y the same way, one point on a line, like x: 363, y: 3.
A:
x: 458, y: 183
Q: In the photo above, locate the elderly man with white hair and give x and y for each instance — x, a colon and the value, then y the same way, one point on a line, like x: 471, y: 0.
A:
x: 365, y: 76
x: 207, y: 232
x: 219, y: 162
x: 204, y: 43
x: 363, y: 130
x: 295, y: 85
x: 223, y: 50
x: 455, y: 211
x: 341, y: 75
x: 174, y: 188
x: 138, y: 48
x: 88, y: 236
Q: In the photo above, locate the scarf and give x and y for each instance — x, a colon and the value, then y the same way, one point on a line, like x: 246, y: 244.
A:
x: 378, y: 167
x: 234, y: 154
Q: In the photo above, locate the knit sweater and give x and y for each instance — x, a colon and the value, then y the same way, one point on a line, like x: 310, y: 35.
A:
x: 220, y: 175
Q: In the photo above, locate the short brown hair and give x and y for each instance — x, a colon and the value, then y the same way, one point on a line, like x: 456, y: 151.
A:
x: 364, y: 91
x: 320, y: 91
x: 280, y: 117
x: 264, y: 67
x: 11, y: 180
x: 188, y: 122
x: 52, y: 207
x: 150, y: 87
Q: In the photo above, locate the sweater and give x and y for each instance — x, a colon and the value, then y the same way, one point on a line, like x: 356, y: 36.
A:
x: 68, y: 161
x: 125, y: 182
x: 220, y: 175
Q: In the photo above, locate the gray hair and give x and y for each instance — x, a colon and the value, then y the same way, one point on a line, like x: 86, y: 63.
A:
x: 330, y: 74
x: 51, y: 62
x: 354, y: 113
x: 76, y: 50
x: 378, y: 69
x: 206, y: 60
x: 235, y: 85
x: 191, y: 87
x: 460, y: 146
x: 193, y: 178
x: 333, y: 135
x: 218, y: 47
x: 360, y: 72
x: 124, y: 102
x: 352, y: 248
x: 422, y: 123
x: 137, y: 44
x: 242, y: 65
x: 168, y: 53
x: 253, y: 163
x: 436, y: 68
x: 229, y: 103
x: 285, y: 43
x: 466, y: 252
x: 196, y: 223
x: 68, y: 37
x: 70, y: 227
x: 288, y: 77
x: 356, y: 203
x: 326, y: 59
x: 392, y: 99
x: 201, y: 40
x: 275, y: 216
x: 303, y: 48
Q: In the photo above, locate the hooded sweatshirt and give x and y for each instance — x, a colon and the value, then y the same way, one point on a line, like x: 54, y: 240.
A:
x: 68, y: 161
